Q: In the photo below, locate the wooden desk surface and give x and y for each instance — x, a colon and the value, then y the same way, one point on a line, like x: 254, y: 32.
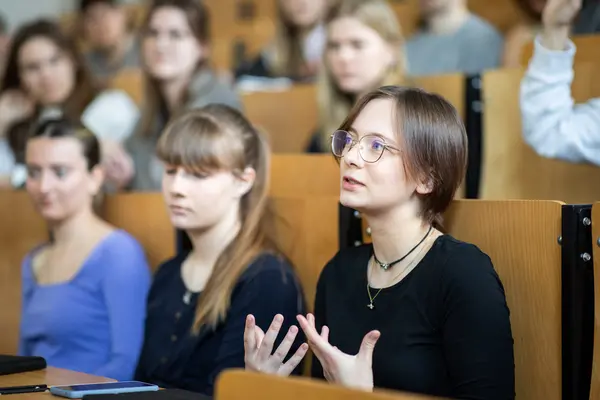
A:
x: 51, y: 377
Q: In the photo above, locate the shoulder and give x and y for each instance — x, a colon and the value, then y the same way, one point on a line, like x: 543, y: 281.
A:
x: 207, y: 88
x: 465, y: 268
x: 123, y: 254
x: 481, y: 30
x: 346, y: 263
x: 269, y: 268
x: 169, y: 268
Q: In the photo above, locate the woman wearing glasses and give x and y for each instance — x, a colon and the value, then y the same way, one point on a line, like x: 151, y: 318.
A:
x: 416, y: 310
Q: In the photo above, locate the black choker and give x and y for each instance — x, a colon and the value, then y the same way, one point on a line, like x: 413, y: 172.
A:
x: 388, y: 266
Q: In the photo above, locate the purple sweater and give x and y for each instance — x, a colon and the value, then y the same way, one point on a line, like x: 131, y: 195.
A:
x: 93, y: 323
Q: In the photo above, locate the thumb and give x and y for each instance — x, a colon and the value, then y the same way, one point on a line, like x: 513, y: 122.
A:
x: 368, y: 345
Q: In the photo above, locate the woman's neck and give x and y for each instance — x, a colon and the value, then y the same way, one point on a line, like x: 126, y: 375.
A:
x: 449, y: 20
x: 396, y: 233
x: 208, y: 244
x: 174, y: 90
x: 74, y: 228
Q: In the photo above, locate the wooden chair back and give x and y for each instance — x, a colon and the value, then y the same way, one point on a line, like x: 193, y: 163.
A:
x: 511, y: 169
x: 21, y: 230
x: 238, y: 384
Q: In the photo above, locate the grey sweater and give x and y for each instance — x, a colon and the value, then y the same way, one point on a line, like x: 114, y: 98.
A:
x: 204, y: 89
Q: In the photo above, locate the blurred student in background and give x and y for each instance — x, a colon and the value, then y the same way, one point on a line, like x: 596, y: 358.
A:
x: 297, y: 47
x: 110, y: 43
x: 84, y: 291
x: 553, y: 125
x: 358, y: 32
x: 452, y: 40
x: 215, y: 188
x: 46, y: 76
x: 175, y: 52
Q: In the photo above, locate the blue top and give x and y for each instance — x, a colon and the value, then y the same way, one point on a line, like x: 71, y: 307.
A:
x: 173, y: 357
x: 93, y: 323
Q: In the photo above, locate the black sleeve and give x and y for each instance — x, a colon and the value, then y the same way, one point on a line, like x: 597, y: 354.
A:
x: 319, y: 313
x: 273, y: 290
x: 478, y: 342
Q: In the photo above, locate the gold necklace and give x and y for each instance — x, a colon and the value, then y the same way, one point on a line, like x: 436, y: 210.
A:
x: 372, y: 298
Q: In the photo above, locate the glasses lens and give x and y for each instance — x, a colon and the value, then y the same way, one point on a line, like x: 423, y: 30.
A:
x: 339, y: 141
x: 371, y: 148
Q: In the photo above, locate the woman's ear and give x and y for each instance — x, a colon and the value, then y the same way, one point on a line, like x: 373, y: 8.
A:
x: 245, y: 181
x: 97, y: 180
x: 425, y: 186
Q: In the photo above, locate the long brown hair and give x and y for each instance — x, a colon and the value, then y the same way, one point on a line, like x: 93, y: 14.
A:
x: 287, y: 56
x: 433, y: 141
x: 334, y: 105
x: 213, y: 138
x: 198, y: 20
x: 84, y: 90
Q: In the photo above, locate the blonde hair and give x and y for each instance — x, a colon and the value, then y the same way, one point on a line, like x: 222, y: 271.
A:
x: 286, y: 55
x: 335, y: 105
x: 213, y: 138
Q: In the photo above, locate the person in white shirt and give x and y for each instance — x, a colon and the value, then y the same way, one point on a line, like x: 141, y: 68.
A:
x: 46, y: 77
x: 553, y: 125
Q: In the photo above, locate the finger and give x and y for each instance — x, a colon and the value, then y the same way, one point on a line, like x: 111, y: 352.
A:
x: 368, y: 345
x: 311, y: 333
x: 284, y: 347
x: 325, y: 333
x: 266, y: 347
x: 260, y: 335
x: 311, y: 319
x: 249, y: 336
x: 291, y: 364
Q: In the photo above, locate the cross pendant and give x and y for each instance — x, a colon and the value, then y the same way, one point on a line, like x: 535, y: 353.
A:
x: 371, y: 306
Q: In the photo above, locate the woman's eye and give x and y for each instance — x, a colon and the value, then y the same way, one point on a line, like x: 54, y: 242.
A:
x: 377, y: 145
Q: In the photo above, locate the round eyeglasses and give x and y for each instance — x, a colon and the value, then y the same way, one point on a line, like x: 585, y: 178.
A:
x: 370, y: 147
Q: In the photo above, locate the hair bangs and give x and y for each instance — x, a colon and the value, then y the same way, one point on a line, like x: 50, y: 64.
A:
x: 198, y: 144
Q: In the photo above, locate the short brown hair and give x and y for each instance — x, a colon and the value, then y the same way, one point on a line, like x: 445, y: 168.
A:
x: 433, y: 140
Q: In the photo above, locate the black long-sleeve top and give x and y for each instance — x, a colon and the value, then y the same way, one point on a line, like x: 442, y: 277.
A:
x: 445, y: 328
x: 173, y: 357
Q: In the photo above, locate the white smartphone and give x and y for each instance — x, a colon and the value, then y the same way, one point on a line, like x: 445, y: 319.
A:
x: 78, y: 391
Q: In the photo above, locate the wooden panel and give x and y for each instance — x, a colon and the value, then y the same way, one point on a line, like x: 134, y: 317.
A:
x: 145, y: 217
x: 521, y: 239
x: 21, y: 229
x: 49, y: 376
x: 587, y: 49
x: 238, y: 384
x: 595, y: 384
x: 307, y: 232
x: 131, y: 81
x: 511, y: 169
x: 450, y: 86
x: 304, y: 175
x: 289, y: 118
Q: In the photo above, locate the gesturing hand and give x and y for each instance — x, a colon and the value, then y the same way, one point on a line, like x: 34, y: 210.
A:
x: 338, y: 367
x: 258, y: 347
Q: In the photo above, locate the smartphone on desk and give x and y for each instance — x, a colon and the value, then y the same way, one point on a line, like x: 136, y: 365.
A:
x: 78, y: 391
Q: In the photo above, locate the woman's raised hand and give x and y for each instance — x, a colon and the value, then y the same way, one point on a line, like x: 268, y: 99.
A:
x: 338, y: 367
x: 258, y: 347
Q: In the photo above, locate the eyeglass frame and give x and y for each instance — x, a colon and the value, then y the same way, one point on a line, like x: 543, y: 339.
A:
x: 355, y: 142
